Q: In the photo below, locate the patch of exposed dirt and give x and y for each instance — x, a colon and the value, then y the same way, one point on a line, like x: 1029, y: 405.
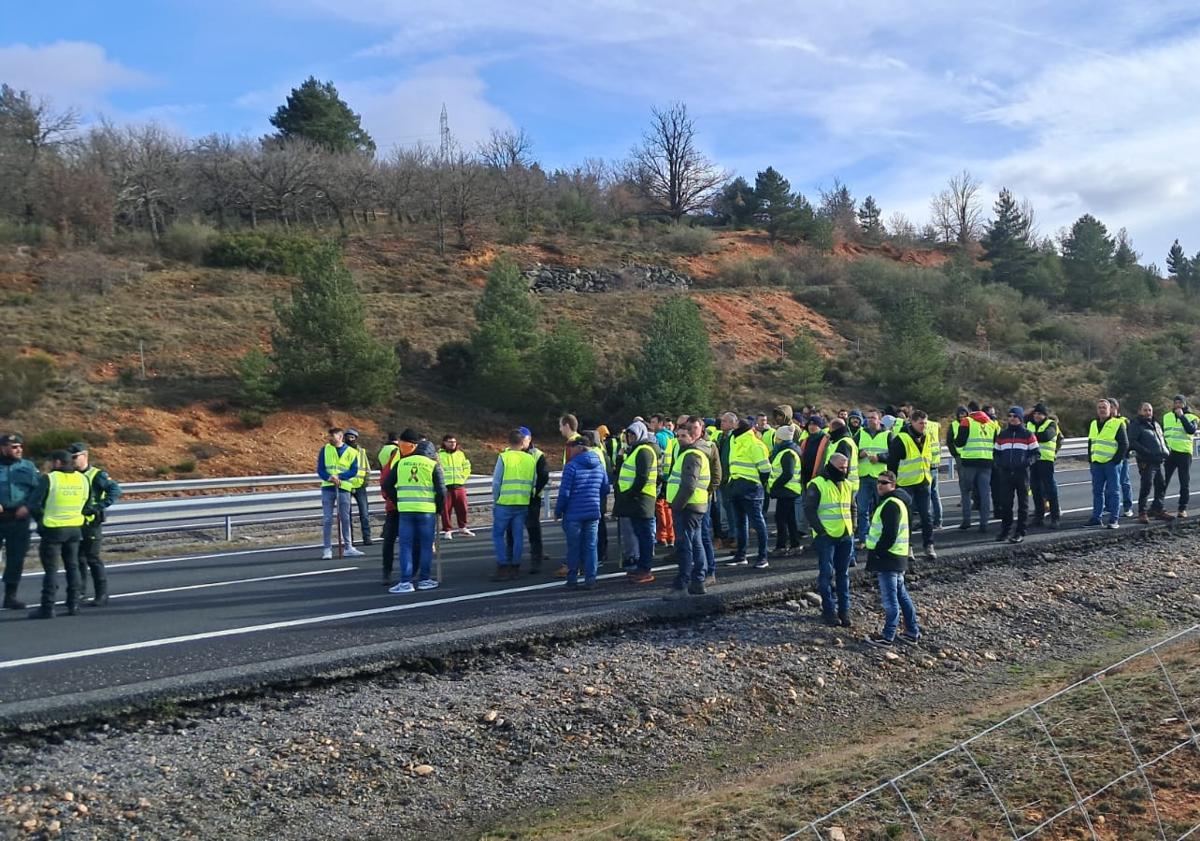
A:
x: 753, y: 331
x: 914, y: 256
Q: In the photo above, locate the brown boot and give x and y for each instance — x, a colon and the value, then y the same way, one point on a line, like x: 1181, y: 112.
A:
x: 1144, y: 518
x: 1164, y: 516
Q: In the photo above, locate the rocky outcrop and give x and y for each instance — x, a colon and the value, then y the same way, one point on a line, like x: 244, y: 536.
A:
x: 544, y: 279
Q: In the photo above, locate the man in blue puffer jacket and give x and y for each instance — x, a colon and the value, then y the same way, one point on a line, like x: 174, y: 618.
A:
x: 584, y: 484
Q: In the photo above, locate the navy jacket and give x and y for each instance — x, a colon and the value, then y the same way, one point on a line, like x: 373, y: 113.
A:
x: 584, y: 485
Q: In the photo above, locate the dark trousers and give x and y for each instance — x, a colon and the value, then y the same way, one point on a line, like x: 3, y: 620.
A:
x: 391, y: 528
x: 90, y: 561
x: 922, y: 506
x: 787, y: 531
x: 364, y: 512
x: 1010, y: 483
x: 689, y: 548
x: 643, y: 530
x: 1151, y: 475
x: 602, y: 533
x: 747, y: 506
x: 14, y: 538
x: 1175, y: 461
x: 59, y: 543
x: 1045, y: 489
x: 533, y: 525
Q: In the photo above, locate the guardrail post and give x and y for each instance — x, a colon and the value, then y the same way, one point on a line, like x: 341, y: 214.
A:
x: 228, y: 528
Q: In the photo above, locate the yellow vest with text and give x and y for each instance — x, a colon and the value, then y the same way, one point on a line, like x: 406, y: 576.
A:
x: 415, y: 493
x: 981, y: 442
x: 69, y: 494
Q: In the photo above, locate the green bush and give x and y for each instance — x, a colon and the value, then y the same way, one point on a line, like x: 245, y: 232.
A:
x: 761, y: 271
x: 683, y: 239
x: 15, y: 233
x: 47, y: 441
x: 184, y: 467
x: 251, y: 418
x: 262, y: 251
x: 204, y: 452
x: 23, y: 380
x: 257, y: 381
x: 455, y: 362
x: 187, y: 242
x: 134, y: 435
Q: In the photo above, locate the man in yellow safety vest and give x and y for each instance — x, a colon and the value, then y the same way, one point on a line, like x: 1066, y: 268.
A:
x: 358, y: 485
x: 1179, y: 428
x: 830, y: 510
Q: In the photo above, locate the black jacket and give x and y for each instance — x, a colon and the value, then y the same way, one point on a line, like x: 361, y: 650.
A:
x: 788, y: 467
x: 880, y: 559
x: 896, y: 452
x: 1147, y: 442
x: 812, y: 499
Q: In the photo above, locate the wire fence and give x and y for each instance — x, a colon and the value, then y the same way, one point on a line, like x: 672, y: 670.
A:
x: 1112, y: 756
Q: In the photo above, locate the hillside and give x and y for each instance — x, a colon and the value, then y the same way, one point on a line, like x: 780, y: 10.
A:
x: 101, y: 316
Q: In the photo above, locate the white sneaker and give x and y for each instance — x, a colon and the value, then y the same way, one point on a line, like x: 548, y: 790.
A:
x: 447, y: 535
x: 327, y: 555
x: 402, y: 587
x: 351, y: 552
x: 466, y: 532
x: 427, y: 584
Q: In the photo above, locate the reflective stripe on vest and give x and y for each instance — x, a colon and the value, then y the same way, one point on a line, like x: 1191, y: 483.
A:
x: 1178, y: 441
x: 794, y: 484
x: 1047, y: 450
x: 364, y: 470
x: 456, y: 469
x: 336, y: 465
x: 415, y: 492
x: 65, y: 501
x: 700, y: 494
x: 900, y: 547
x: 520, y: 471
x: 852, y: 465
x: 933, y: 433
x: 980, y: 442
x: 746, y: 458
x: 90, y: 475
x: 915, y: 466
x: 1104, y: 441
x: 833, y: 509
x: 629, y: 472
x: 873, y: 445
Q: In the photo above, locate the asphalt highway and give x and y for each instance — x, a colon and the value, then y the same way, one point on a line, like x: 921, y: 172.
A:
x: 174, y: 619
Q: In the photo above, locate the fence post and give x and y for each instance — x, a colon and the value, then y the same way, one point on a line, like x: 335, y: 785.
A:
x: 228, y: 528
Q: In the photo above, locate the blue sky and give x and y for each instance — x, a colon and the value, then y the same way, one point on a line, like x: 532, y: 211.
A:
x: 1077, y: 106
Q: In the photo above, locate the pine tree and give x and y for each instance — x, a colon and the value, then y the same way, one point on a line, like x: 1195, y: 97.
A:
x: 567, y: 368
x: 1007, y: 248
x: 508, y: 307
x: 1125, y: 257
x: 773, y: 200
x: 914, y: 366
x: 506, y: 334
x: 322, y: 349
x: 805, y: 369
x: 675, y: 368
x: 1088, y: 263
x: 736, y: 204
x: 1181, y: 268
x: 837, y: 206
x: 315, y: 112
x: 870, y: 220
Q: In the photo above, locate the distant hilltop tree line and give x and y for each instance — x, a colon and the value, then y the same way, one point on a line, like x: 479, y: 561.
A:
x: 320, y: 168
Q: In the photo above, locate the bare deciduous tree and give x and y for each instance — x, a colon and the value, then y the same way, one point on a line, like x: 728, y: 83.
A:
x: 669, y: 170
x: 28, y: 128
x: 957, y: 212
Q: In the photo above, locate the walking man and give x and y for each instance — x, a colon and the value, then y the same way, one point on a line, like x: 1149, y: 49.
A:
x: 1107, y: 444
x: 637, y: 491
x: 456, y: 468
x: 104, y: 492
x: 60, y: 505
x: 687, y: 493
x: 337, y: 465
x: 580, y: 493
x: 1149, y: 446
x: 1041, y: 475
x: 1179, y: 428
x: 18, y: 481
x: 418, y: 490
x: 512, y: 489
x: 830, y: 510
x: 1016, y: 452
x: 887, y: 548
x: 358, y: 485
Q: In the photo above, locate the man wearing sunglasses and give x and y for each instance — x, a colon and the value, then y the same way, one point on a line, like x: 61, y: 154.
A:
x: 18, y: 481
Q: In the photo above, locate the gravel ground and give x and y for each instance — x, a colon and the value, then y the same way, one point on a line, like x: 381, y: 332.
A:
x: 451, y: 755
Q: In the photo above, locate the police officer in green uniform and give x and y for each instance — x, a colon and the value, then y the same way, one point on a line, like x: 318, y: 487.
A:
x: 61, y: 505
x: 104, y: 493
x: 18, y: 482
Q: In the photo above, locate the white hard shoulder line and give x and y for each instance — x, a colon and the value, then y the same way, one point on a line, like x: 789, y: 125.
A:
x: 233, y: 581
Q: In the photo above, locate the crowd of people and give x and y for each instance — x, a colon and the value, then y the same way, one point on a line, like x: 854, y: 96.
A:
x: 855, y: 482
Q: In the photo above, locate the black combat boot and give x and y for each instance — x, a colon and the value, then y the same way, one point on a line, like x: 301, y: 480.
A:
x: 10, y: 598
x: 44, y: 611
x: 101, y: 598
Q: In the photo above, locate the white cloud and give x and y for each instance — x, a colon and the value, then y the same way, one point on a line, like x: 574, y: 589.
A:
x: 71, y: 73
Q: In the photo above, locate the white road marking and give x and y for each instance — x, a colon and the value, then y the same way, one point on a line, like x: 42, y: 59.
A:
x: 228, y: 583
x: 113, y: 566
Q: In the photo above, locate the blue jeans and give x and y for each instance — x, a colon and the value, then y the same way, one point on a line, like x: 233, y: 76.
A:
x: 415, y: 529
x: 895, y: 598
x: 689, y: 548
x: 935, y: 499
x: 328, y: 494
x: 508, y: 523
x: 706, y: 538
x: 643, y: 530
x: 868, y: 498
x: 581, y: 549
x: 628, y: 539
x: 833, y: 557
x: 1106, y: 495
x: 1126, y: 486
x: 747, y: 506
x: 728, y: 515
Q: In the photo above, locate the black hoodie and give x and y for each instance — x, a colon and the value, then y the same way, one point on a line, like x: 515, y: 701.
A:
x: 880, y: 559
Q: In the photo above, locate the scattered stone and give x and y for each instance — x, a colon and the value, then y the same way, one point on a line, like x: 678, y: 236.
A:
x: 793, y: 605
x: 1171, y: 574
x: 836, y: 833
x: 490, y: 716
x: 891, y: 656
x: 812, y: 598
x: 820, y: 682
x: 988, y: 655
x: 590, y: 691
x: 54, y: 827
x: 544, y: 279
x: 423, y: 770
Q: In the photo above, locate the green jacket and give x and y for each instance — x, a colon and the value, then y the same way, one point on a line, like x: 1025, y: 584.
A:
x: 18, y: 481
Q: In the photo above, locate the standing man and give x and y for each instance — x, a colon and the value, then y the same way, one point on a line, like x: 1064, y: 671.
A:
x: 18, y: 481
x: 60, y: 505
x: 388, y: 449
x: 104, y: 492
x: 533, y: 515
x: 358, y: 485
x: 975, y: 441
x: 728, y: 521
x: 419, y: 489
x: 1149, y: 445
x: 829, y: 509
x: 456, y: 468
x: 512, y: 489
x: 873, y: 441
x: 1123, y: 467
x: 933, y: 430
x: 749, y: 472
x: 668, y: 446
x: 910, y: 457
x: 583, y: 487
x: 687, y: 493
x: 637, y: 490
x: 1107, y: 444
x: 887, y: 547
x: 1016, y: 452
x: 1179, y: 428
x: 700, y: 442
x: 1041, y: 475
x: 786, y: 488
x: 337, y: 465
